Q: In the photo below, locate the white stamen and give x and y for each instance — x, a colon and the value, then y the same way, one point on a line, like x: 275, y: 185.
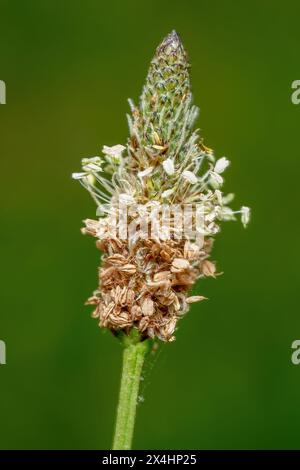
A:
x: 147, y: 172
x: 114, y: 151
x: 228, y: 198
x: 216, y: 179
x: 221, y: 165
x: 92, y: 164
x: 168, y: 166
x: 190, y: 177
x: 167, y: 193
x: 245, y: 215
x: 113, y: 154
x: 79, y: 176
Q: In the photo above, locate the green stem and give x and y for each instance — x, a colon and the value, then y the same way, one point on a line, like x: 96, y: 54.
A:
x: 133, y: 360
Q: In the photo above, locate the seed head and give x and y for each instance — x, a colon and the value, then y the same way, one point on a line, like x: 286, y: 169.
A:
x: 144, y: 278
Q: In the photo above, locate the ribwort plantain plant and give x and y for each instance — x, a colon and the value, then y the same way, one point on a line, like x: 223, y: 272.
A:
x: 159, y: 206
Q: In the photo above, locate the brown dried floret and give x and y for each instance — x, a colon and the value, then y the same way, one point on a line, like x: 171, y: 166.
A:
x: 145, y: 285
x: 208, y: 268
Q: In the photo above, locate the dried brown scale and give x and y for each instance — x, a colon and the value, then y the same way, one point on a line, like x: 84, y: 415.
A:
x: 148, y: 291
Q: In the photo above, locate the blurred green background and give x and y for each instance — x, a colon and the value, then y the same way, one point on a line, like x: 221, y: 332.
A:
x: 228, y: 381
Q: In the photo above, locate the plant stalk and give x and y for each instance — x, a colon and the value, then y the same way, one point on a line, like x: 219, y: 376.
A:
x: 133, y: 359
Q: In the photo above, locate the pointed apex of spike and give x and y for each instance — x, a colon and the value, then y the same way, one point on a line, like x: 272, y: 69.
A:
x: 174, y: 38
x: 171, y: 45
x: 165, y: 110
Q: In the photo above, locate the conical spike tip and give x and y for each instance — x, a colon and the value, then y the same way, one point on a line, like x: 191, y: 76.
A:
x: 171, y: 44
